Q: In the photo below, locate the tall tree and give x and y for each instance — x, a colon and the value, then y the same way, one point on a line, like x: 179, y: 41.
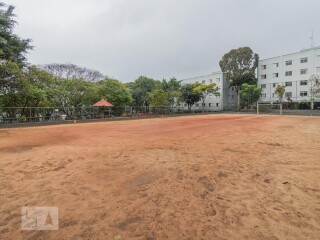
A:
x: 249, y: 94
x: 115, y: 92
x: 12, y: 47
x: 189, y: 95
x: 280, y: 90
x: 239, y: 67
x: 205, y: 90
x: 71, y: 71
x: 158, y: 98
x: 141, y: 88
x: 172, y: 89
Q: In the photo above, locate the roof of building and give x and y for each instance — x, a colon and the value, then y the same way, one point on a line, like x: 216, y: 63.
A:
x: 218, y: 72
x: 102, y: 103
x: 303, y: 50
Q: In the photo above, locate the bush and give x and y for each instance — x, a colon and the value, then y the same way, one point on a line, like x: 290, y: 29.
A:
x: 22, y: 119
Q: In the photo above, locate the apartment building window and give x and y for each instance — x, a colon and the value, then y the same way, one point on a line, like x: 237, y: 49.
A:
x: 264, y: 76
x: 263, y: 67
x: 263, y: 95
x: 288, y: 63
x: 232, y: 96
x: 209, y: 104
x: 303, y: 71
x: 288, y: 94
x: 203, y: 81
x: 276, y: 64
x: 274, y: 85
x: 217, y: 104
x: 288, y: 73
x: 303, y: 60
x: 288, y: 84
x: 304, y: 82
x: 274, y: 95
x: 203, y: 104
x: 210, y: 80
x: 303, y: 94
x: 275, y: 75
x: 263, y: 85
x: 218, y: 79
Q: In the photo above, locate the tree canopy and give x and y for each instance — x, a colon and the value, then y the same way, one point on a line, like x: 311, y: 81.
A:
x: 189, y: 95
x: 239, y: 66
x: 249, y: 94
x: 115, y: 92
x: 141, y: 88
x: 71, y: 71
x: 12, y: 47
x: 280, y: 90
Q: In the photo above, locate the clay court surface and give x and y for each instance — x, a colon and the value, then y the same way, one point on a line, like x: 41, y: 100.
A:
x: 201, y: 177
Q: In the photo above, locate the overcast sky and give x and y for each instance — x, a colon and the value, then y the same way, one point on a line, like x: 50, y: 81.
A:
x: 162, y: 38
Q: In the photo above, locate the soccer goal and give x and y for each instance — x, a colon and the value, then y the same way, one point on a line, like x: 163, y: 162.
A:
x: 271, y: 108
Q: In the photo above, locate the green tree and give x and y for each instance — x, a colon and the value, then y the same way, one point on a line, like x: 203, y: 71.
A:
x: 158, y: 98
x: 249, y: 94
x: 189, y: 95
x: 172, y: 89
x: 115, y: 92
x: 239, y: 67
x: 141, y: 88
x: 205, y: 89
x: 280, y: 90
x: 12, y: 47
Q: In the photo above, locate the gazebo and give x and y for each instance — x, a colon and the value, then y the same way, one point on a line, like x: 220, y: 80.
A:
x: 103, y: 105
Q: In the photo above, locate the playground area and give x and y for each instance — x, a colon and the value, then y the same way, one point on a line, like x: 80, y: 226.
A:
x: 223, y: 176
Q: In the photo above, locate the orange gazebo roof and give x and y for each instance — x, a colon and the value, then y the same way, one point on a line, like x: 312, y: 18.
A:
x: 102, y: 103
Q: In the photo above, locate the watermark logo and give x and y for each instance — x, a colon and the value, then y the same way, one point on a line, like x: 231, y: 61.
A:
x: 39, y: 218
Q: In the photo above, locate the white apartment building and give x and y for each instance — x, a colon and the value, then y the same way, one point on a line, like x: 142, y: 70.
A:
x: 226, y: 100
x: 292, y: 71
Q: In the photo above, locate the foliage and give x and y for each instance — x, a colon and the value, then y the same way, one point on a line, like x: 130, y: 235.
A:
x: 249, y: 94
x: 141, y: 88
x: 280, y: 90
x: 206, y: 89
x: 115, y: 92
x: 239, y: 66
x: 172, y: 89
x: 12, y: 47
x: 189, y: 95
x: 71, y: 71
x: 158, y: 98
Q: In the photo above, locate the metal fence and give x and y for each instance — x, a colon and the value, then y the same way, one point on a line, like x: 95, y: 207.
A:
x: 25, y: 115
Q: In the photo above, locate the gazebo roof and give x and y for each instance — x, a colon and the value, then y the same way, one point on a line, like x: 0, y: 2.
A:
x: 102, y: 103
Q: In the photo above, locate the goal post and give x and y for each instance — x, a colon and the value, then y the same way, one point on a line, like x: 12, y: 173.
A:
x: 271, y: 108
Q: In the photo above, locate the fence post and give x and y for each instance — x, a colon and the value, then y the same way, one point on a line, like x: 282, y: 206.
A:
x: 257, y: 108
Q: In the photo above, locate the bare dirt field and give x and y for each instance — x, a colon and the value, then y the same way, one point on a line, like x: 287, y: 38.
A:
x: 202, y: 177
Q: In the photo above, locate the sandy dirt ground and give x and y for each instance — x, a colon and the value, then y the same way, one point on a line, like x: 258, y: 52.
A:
x: 202, y: 177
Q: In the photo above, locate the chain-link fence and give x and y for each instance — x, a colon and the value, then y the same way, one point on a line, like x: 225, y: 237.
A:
x: 24, y: 115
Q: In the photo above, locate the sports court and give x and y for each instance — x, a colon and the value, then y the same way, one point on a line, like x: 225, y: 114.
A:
x: 196, y: 177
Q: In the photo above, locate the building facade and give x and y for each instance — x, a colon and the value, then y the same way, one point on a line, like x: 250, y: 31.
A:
x: 292, y: 71
x: 227, y: 99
